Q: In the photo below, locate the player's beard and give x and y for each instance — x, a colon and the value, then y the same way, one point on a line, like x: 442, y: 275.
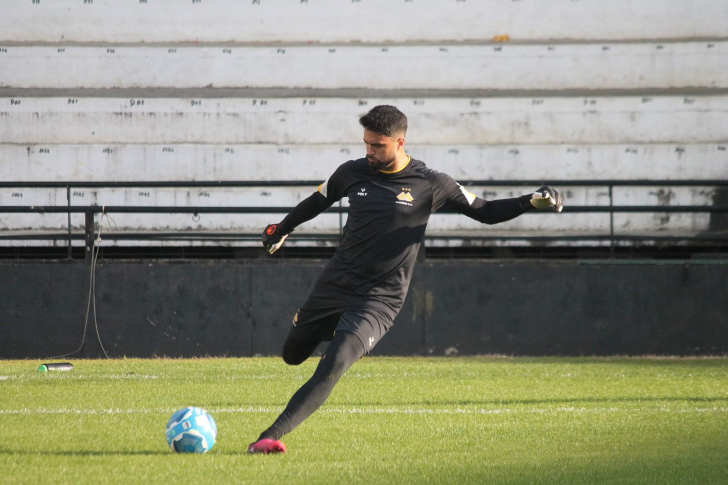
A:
x: 376, y: 165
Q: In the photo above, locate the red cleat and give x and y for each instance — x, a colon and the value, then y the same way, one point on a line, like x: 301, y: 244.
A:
x: 266, y: 446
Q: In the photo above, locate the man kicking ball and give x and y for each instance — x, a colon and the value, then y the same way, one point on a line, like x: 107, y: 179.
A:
x: 361, y: 290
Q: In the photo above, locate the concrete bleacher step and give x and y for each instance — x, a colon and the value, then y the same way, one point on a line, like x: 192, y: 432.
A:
x: 136, y: 21
x: 331, y: 222
x: 259, y: 162
x: 447, y: 121
x: 648, y: 65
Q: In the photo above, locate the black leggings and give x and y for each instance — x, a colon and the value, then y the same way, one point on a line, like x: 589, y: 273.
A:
x: 344, y: 350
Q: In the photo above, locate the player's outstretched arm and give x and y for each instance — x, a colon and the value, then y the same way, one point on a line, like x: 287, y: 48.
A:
x: 275, y: 235
x: 502, y: 210
x: 449, y: 195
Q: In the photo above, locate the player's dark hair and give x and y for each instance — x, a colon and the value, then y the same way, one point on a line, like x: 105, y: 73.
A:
x: 385, y: 120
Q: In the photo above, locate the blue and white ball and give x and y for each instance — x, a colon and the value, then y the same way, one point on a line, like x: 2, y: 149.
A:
x: 191, y: 430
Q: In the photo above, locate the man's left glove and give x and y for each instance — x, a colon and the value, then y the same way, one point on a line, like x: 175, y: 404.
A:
x: 543, y: 198
x: 273, y: 237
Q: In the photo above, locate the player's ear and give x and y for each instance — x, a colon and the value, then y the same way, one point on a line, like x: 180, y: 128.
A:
x: 400, y: 143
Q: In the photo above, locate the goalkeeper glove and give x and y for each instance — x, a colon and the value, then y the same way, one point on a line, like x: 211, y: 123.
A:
x: 273, y: 237
x: 543, y: 198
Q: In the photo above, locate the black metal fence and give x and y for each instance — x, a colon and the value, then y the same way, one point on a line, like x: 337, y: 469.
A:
x: 91, y: 211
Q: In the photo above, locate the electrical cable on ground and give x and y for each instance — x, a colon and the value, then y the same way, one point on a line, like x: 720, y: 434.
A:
x: 95, y: 249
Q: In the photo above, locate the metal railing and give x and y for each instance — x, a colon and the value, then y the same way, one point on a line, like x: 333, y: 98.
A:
x: 92, y: 210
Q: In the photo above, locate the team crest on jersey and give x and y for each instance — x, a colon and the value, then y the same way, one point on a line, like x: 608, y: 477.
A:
x: 405, y: 196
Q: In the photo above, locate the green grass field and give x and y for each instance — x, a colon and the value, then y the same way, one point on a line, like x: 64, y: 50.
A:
x: 389, y: 420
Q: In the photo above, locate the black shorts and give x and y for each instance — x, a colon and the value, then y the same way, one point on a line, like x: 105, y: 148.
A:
x: 321, y: 317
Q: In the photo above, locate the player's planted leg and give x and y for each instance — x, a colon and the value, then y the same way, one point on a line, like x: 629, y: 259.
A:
x: 345, y: 349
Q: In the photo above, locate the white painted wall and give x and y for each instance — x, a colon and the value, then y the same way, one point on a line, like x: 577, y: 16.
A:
x: 542, y: 67
x: 375, y: 21
x: 185, y: 162
x: 446, y: 121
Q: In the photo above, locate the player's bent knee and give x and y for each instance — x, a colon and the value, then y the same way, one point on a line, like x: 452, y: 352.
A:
x: 294, y: 359
x: 295, y: 352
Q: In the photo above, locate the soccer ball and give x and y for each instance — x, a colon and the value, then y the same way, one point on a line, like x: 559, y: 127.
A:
x: 191, y: 430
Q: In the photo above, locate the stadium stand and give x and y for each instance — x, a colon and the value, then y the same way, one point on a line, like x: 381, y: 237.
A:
x: 216, y: 90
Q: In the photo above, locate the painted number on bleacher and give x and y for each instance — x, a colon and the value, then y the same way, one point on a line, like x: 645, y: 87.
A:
x: 195, y: 102
x: 17, y: 194
x: 256, y: 2
x: 61, y: 51
x: 280, y: 51
x: 72, y: 101
x: 537, y: 101
x: 229, y: 150
x: 44, y: 150
x: 14, y: 102
x: 260, y: 102
x: 309, y: 102
x: 646, y: 100
x: 36, y: 2
x: 227, y: 51
x: 418, y: 102
x: 79, y: 194
x: 136, y: 102
x: 107, y: 150
x: 167, y: 150
x: 204, y: 194
x: 143, y: 194
x: 142, y: 1
x: 689, y: 101
x: 171, y: 51
x: 474, y: 102
x: 590, y: 102
x: 88, y: 2
x: 283, y: 150
x: 196, y: 1
x: 111, y: 51
x: 3, y: 50
x: 453, y: 151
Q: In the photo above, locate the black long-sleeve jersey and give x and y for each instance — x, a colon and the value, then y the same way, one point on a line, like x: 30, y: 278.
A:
x: 388, y: 215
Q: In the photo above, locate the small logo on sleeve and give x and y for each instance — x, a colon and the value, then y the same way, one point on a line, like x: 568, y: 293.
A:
x: 362, y: 192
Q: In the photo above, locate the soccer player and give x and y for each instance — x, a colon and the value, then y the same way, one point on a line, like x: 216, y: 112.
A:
x: 361, y: 290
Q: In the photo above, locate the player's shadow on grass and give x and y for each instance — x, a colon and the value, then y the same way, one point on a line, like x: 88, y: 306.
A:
x: 500, y: 402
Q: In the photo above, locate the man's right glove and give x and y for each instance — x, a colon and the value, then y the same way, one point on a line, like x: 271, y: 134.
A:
x: 543, y: 198
x: 273, y: 237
